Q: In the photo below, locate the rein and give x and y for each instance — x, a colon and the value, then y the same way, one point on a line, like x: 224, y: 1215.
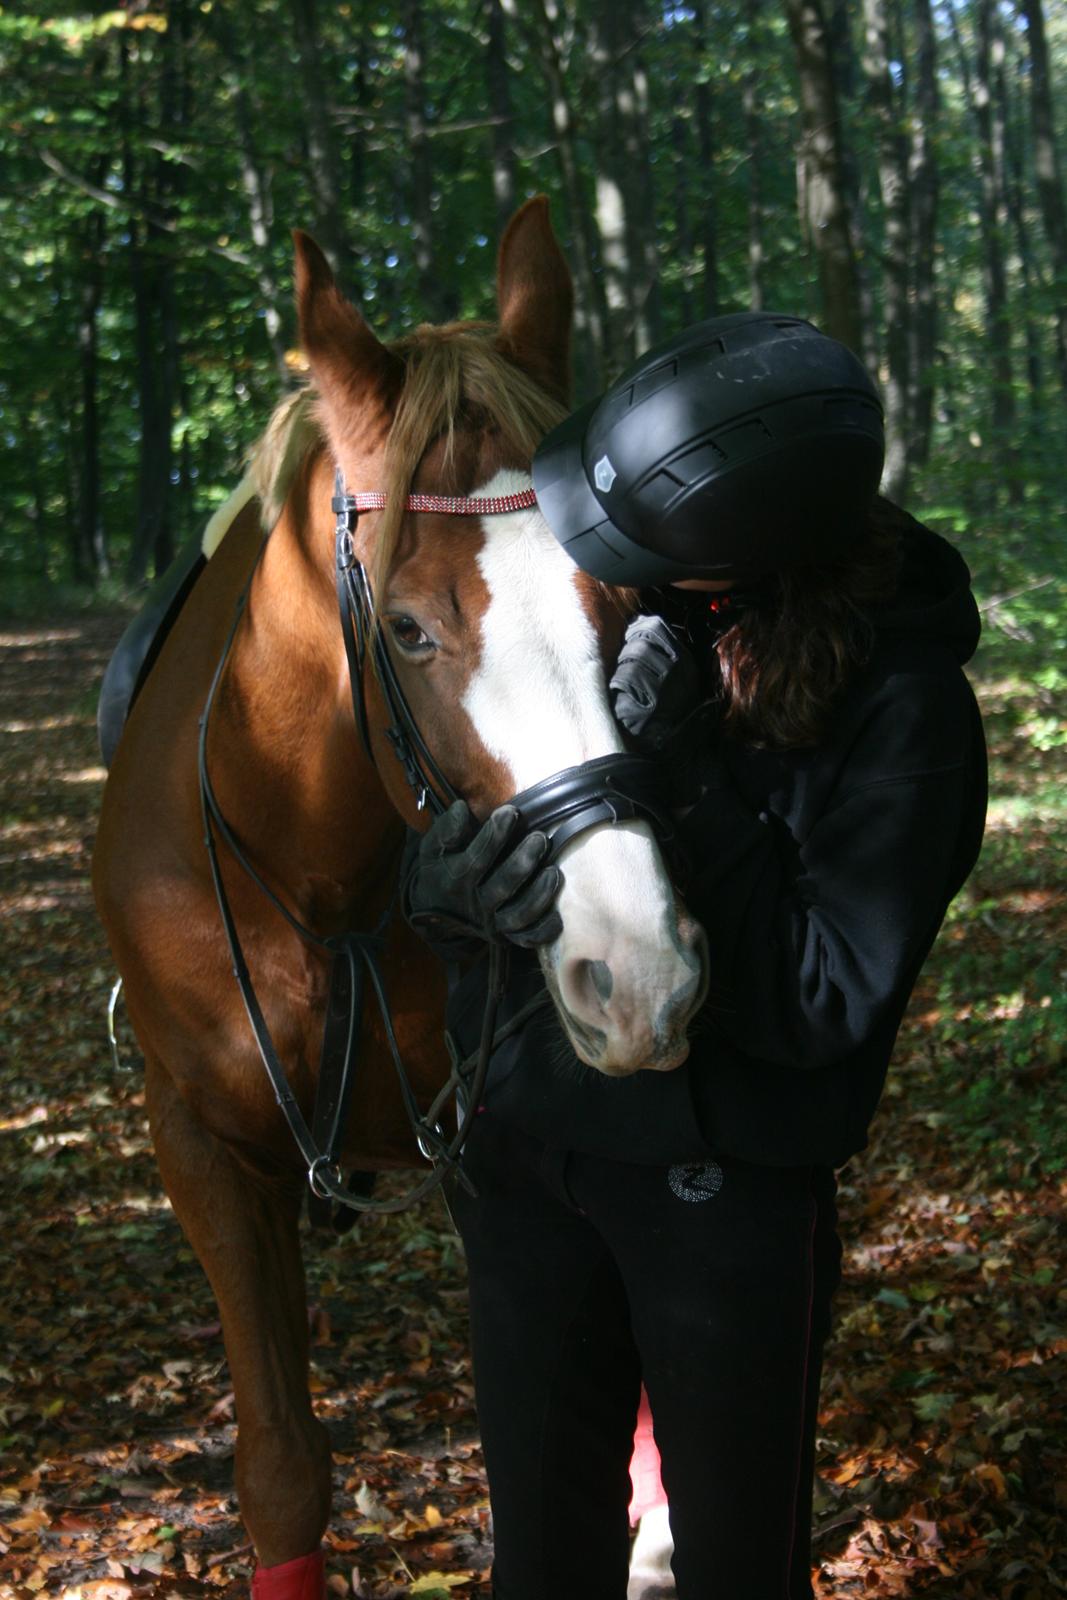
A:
x: 608, y: 789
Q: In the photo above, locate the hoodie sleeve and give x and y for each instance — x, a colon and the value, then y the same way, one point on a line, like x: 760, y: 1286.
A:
x: 814, y: 940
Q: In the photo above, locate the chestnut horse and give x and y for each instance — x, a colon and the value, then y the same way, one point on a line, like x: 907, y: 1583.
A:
x: 500, y: 644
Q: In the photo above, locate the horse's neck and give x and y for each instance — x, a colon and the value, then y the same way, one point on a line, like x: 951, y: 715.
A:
x: 299, y: 789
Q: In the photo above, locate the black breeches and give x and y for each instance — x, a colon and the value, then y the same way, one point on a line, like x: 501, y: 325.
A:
x: 713, y: 1285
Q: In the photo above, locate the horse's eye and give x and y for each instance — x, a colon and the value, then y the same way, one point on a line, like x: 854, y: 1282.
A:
x: 409, y: 636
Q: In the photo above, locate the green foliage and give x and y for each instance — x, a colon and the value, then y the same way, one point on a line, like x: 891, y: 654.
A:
x: 994, y: 995
x: 124, y: 146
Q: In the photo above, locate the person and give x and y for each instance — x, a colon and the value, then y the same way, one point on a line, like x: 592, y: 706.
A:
x: 797, y: 663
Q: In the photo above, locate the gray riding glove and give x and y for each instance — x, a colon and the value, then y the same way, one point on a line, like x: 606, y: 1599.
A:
x: 467, y: 887
x: 655, y: 685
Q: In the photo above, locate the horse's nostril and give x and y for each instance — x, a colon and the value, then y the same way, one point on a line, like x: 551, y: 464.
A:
x: 601, y: 979
x: 586, y: 985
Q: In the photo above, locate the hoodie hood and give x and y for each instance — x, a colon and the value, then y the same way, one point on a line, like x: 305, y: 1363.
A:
x: 933, y: 599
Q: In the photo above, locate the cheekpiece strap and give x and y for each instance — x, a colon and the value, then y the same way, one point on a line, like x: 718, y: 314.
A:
x: 362, y: 634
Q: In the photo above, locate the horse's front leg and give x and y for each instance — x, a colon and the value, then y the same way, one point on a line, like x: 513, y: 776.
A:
x: 244, y: 1231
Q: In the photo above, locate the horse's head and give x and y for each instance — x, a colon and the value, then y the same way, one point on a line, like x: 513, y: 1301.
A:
x: 500, y: 642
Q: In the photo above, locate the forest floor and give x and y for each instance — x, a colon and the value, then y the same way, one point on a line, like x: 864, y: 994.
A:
x: 943, y: 1435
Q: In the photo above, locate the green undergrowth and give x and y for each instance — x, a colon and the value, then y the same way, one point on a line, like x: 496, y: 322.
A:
x: 988, y: 1025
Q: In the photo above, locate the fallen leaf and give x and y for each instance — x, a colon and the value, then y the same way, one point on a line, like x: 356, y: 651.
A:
x: 369, y: 1504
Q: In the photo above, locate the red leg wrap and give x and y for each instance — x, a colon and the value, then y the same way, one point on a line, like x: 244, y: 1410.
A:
x: 302, y: 1579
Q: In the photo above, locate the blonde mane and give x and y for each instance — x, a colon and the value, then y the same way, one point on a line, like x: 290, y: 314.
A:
x: 455, y: 378
x: 276, y: 457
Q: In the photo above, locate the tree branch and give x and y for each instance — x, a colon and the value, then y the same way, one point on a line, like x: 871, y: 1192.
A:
x: 114, y: 202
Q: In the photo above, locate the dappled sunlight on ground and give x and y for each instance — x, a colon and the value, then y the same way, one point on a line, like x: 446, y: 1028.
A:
x: 941, y: 1439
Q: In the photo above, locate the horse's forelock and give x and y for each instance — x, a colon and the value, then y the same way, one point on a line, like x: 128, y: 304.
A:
x: 451, y: 373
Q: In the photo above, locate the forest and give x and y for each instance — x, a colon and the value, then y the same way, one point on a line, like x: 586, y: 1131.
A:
x: 891, y: 169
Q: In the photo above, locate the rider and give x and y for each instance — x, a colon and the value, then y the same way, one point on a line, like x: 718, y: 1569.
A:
x: 797, y: 662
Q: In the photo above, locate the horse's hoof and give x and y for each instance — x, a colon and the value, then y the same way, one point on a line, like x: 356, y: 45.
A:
x: 650, y: 1559
x: 302, y: 1579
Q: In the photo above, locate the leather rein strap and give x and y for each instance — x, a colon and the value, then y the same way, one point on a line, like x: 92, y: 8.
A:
x: 608, y: 789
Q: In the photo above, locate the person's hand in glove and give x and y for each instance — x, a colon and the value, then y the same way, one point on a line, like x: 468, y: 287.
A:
x: 655, y: 685
x: 467, y: 886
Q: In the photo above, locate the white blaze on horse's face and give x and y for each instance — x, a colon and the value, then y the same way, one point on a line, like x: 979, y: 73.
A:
x: 628, y: 970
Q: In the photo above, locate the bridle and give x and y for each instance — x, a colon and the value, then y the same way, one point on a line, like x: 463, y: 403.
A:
x: 608, y: 789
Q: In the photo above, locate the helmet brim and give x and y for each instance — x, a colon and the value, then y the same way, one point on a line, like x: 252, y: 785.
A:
x: 569, y: 505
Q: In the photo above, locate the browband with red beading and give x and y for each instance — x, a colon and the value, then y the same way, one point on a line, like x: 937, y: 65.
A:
x: 451, y: 505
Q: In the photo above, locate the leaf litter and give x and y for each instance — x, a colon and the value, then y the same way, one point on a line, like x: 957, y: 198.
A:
x: 942, y: 1461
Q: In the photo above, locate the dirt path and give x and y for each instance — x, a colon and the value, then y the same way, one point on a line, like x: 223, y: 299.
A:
x: 941, y: 1443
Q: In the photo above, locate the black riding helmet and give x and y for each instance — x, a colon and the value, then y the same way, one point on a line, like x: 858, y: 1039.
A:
x: 746, y: 444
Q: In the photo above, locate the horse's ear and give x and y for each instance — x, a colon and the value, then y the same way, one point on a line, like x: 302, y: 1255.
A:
x: 353, y: 371
x: 535, y: 297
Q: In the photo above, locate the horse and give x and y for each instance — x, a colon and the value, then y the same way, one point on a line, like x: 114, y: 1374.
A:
x: 500, y: 647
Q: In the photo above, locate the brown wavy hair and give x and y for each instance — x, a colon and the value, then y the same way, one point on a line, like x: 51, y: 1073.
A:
x: 785, y: 664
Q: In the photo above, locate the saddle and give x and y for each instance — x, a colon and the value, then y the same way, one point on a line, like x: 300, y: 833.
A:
x: 136, y: 651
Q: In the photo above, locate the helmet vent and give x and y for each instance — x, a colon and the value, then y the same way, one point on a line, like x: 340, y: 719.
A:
x: 651, y: 381
x: 703, y: 457
x: 852, y: 410
x: 744, y: 438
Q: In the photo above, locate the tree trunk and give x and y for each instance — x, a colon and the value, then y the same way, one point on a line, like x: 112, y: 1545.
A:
x: 498, y: 84
x: 168, y: 182
x: 703, y: 112
x: 642, y: 205
x: 256, y: 184
x: 324, y: 167
x: 90, y: 553
x: 844, y: 66
x: 590, y: 316
x: 37, y: 512
x: 153, y: 470
x: 923, y: 182
x: 1048, y: 171
x: 823, y: 181
x: 625, y: 198
x: 1016, y: 207
x: 893, y: 182
x: 148, y: 262
x: 683, y: 222
x: 434, y: 293
x: 992, y: 214
x: 361, y: 98
x: 613, y: 225
x: 754, y: 151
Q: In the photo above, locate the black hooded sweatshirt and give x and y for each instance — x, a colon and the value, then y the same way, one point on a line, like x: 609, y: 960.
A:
x: 821, y: 877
